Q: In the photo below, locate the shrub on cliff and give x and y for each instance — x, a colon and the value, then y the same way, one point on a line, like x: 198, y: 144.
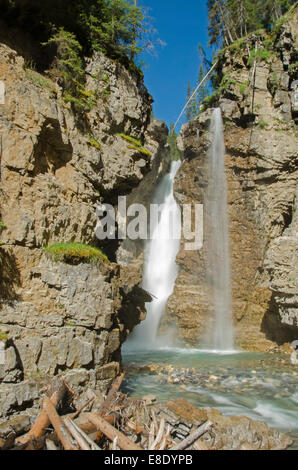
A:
x: 230, y: 20
x: 75, y: 252
x: 135, y: 144
x: 115, y: 27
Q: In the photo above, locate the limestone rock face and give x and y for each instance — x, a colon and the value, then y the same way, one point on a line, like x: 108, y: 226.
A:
x: 261, y: 170
x: 56, y: 167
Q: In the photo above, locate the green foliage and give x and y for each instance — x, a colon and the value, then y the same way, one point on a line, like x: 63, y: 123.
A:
x: 244, y: 88
x: 72, y: 30
x: 293, y: 68
x: 191, y: 110
x: 135, y: 144
x: 262, y: 124
x: 70, y: 70
x: 3, y: 336
x: 72, y: 252
x: 141, y: 150
x: 172, y: 141
x: 211, y: 99
x: 230, y: 20
x: 194, y: 106
x: 39, y: 79
x: 273, y: 82
x: 131, y: 140
x: 214, y: 97
x: 93, y: 142
x: 226, y: 82
x: 118, y: 28
x: 259, y: 55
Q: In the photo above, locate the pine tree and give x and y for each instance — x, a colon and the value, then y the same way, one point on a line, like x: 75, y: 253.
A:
x: 273, y: 9
x: 191, y: 110
x: 246, y: 14
x: 221, y: 24
x: 172, y: 141
x: 230, y: 20
x: 215, y: 24
x: 203, y: 90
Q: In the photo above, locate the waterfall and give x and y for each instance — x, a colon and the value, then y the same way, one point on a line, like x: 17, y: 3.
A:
x: 218, y: 255
x: 160, y: 269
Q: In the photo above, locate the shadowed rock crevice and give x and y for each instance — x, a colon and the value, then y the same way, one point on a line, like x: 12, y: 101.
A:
x: 50, y: 153
x: 274, y: 328
x: 10, y: 278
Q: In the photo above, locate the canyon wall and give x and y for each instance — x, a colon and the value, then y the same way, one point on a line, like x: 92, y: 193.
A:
x: 258, y: 99
x: 57, y: 166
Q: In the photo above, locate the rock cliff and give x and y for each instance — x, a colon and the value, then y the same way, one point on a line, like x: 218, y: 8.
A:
x: 57, y: 165
x: 258, y: 99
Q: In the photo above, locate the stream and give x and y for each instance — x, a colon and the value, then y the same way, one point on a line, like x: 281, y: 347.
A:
x: 260, y: 386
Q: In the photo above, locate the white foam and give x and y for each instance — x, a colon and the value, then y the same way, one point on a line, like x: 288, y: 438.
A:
x: 276, y: 416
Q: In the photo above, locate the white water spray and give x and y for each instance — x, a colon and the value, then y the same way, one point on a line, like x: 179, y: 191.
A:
x: 160, y: 269
x: 218, y: 254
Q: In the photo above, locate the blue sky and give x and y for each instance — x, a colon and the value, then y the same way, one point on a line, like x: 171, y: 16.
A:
x: 181, y: 25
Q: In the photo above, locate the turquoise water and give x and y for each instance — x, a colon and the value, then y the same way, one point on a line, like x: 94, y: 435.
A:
x: 260, y: 386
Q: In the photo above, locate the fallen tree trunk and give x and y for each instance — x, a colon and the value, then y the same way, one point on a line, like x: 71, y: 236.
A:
x: 57, y: 392
x: 108, y: 430
x: 92, y: 444
x: 194, y: 436
x: 58, y: 425
x: 103, y: 410
x: 84, y: 424
x: 11, y: 429
x: 81, y: 441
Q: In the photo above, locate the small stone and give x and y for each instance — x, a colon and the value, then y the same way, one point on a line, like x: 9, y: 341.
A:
x: 213, y: 378
x: 149, y: 399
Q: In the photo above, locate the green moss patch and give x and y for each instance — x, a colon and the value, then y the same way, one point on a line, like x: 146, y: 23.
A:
x: 93, y: 142
x: 75, y: 252
x: 135, y: 144
x: 3, y: 336
x: 262, y: 124
x: 39, y: 80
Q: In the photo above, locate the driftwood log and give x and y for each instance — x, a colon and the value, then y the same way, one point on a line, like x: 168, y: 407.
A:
x: 84, y: 441
x: 105, y: 407
x: 58, y: 425
x: 108, y: 430
x: 58, y: 393
x: 193, y: 437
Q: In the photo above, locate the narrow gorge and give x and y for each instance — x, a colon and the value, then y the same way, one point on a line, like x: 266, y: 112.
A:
x: 194, y: 325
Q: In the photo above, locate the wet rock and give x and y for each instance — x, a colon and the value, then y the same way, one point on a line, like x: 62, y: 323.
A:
x: 261, y: 170
x: 149, y: 399
x: 227, y: 433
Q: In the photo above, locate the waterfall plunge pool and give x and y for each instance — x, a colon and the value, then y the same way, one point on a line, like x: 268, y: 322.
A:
x: 260, y: 386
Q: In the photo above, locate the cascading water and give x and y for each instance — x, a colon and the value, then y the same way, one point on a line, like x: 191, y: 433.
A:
x: 218, y: 255
x: 160, y: 269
